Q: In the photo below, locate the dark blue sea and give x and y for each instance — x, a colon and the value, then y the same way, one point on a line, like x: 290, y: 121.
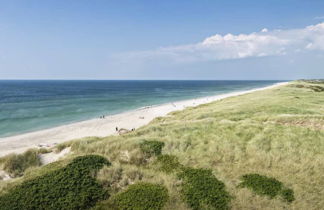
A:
x: 34, y: 105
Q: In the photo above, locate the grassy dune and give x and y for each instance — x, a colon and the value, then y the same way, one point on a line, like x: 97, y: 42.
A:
x: 277, y: 133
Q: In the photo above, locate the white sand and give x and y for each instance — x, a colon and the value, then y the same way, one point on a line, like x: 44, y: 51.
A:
x: 50, y: 157
x: 104, y: 127
x: 4, y: 176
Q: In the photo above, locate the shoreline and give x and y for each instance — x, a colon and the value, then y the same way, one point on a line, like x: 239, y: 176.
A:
x: 107, y: 126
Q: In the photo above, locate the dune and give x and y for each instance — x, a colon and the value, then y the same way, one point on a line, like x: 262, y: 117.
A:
x: 106, y: 126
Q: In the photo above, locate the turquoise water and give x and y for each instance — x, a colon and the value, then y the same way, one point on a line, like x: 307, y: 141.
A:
x: 34, y: 105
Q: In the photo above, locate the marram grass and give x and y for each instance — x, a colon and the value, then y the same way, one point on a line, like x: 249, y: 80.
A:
x: 276, y: 133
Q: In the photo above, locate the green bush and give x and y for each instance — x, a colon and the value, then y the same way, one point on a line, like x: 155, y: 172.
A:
x: 288, y: 195
x: 263, y: 185
x: 151, y: 148
x: 168, y: 163
x: 71, y: 187
x: 202, y: 190
x: 143, y: 196
x: 88, y: 163
x: 16, y: 164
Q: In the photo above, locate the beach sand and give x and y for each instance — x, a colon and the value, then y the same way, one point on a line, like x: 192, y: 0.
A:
x: 105, y: 127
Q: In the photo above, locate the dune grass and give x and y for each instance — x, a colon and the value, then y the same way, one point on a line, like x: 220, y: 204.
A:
x: 152, y: 148
x: 16, y: 164
x: 278, y: 133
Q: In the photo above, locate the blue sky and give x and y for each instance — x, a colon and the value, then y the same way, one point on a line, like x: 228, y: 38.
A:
x: 81, y: 39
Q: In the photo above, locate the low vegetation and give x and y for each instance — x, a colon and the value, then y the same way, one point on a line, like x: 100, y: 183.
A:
x: 313, y: 81
x: 143, y: 196
x: 316, y: 88
x: 152, y: 148
x: 168, y: 163
x: 71, y: 187
x: 202, y: 190
x: 16, y: 164
x: 263, y: 185
x: 287, y: 195
x: 117, y: 178
x: 199, y: 154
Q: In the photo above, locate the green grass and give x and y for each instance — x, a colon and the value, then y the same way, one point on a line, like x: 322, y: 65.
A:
x: 278, y: 133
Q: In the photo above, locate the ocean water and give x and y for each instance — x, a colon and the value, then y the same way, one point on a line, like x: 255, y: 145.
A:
x: 34, y: 105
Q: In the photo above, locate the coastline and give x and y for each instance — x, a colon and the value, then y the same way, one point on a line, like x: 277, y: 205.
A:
x: 105, y: 127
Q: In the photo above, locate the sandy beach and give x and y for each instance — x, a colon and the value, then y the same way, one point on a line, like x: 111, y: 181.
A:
x: 105, y: 127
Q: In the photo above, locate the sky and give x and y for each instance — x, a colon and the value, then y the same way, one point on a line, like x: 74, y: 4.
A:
x: 178, y: 40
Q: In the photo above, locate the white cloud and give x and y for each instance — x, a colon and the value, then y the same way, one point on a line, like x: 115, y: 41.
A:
x: 265, y: 30
x: 229, y: 46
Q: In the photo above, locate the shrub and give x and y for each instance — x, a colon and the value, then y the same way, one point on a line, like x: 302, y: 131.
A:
x: 16, y: 164
x: 151, y: 148
x: 288, y: 195
x: 263, y: 185
x: 144, y: 196
x: 88, y: 163
x: 202, y: 190
x: 71, y: 187
x: 168, y: 163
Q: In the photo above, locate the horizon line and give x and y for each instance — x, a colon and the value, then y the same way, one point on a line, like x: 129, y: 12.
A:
x: 150, y: 79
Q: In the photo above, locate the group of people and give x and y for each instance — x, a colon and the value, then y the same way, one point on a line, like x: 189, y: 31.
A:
x: 133, y: 129
x: 117, y: 129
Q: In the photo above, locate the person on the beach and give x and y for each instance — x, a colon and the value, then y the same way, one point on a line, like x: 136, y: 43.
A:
x: 116, y: 128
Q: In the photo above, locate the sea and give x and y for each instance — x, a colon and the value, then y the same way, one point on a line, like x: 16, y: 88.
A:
x: 33, y: 105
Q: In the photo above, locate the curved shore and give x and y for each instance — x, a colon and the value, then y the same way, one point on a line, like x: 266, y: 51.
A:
x: 106, y: 126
